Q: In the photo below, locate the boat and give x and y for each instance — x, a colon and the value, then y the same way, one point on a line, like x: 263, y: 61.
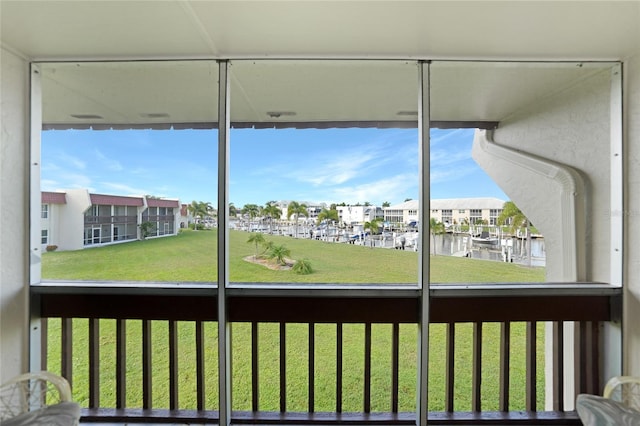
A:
x: 485, y: 239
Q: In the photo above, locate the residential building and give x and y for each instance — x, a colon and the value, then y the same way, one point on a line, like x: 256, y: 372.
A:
x: 76, y: 219
x: 466, y: 210
x: 358, y: 215
x: 52, y: 207
x: 403, y: 213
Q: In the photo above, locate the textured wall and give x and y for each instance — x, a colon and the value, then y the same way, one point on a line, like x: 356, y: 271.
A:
x: 570, y: 128
x: 14, y: 219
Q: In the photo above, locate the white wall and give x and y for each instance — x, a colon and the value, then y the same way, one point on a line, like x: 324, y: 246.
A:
x: 571, y: 128
x: 14, y: 218
x: 72, y: 219
x: 631, y: 318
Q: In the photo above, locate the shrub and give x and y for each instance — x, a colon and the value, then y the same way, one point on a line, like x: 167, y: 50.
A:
x: 302, y: 267
x: 52, y: 247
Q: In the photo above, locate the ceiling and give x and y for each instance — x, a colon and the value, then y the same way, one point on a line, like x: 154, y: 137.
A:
x: 309, y: 93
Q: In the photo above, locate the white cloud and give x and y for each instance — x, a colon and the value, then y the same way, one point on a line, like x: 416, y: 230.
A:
x: 73, y: 180
x: 72, y: 161
x: 108, y: 163
x: 441, y: 136
x: 342, y: 166
x: 449, y: 174
x: 441, y: 157
x: 378, y: 191
x: 122, y: 189
x: 49, y: 185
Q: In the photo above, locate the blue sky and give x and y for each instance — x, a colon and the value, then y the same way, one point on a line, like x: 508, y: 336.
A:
x: 332, y: 165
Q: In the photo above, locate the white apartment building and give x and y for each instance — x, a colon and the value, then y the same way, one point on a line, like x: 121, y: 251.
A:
x: 406, y: 212
x: 467, y: 210
x: 354, y: 215
x: 76, y: 219
x: 448, y: 211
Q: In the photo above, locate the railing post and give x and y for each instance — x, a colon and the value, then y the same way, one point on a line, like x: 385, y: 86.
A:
x: 450, y: 368
x: 476, y: 378
x: 531, y: 348
x: 173, y: 365
x: 312, y: 349
x: 121, y: 363
x: 94, y: 363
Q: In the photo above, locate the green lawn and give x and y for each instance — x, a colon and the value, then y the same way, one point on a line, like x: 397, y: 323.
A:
x: 191, y: 256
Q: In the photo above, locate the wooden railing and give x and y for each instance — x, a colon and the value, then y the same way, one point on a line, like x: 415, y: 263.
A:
x: 257, y: 305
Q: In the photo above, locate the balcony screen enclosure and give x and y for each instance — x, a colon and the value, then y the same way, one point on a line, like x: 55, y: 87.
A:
x: 302, y: 269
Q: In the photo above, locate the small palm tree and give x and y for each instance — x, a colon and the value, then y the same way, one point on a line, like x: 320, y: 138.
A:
x: 257, y: 238
x: 279, y: 254
x: 302, y: 267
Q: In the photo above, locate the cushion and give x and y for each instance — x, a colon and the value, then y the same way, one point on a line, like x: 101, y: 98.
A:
x: 599, y: 411
x: 62, y: 414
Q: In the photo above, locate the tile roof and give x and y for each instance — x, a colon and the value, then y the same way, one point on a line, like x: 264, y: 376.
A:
x: 53, y: 197
x: 116, y: 200
x: 159, y: 202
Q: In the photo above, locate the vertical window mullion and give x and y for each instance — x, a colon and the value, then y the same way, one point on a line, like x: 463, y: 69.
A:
x: 224, y: 335
x: 423, y: 270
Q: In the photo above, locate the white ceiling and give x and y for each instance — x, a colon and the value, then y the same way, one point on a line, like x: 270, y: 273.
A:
x: 571, y: 30
x: 155, y: 93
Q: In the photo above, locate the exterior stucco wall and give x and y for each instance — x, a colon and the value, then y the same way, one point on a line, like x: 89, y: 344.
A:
x: 72, y: 220
x: 571, y: 128
x: 14, y: 223
x: 631, y: 317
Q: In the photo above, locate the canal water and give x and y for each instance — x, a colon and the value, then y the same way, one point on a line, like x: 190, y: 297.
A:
x: 514, y: 249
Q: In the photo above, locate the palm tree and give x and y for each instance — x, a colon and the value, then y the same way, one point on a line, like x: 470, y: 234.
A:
x: 199, y: 209
x: 233, y: 210
x: 435, y: 228
x: 330, y: 215
x: 513, y: 215
x: 386, y: 204
x: 257, y: 238
x: 273, y: 212
x: 279, y: 254
x: 251, y: 210
x: 297, y: 209
x: 373, y: 226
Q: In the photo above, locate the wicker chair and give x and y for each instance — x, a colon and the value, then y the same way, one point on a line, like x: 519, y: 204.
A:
x: 39, y: 398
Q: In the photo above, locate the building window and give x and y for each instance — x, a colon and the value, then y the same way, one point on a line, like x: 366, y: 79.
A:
x: 44, y: 239
x: 493, y: 216
x: 475, y: 216
x: 45, y: 211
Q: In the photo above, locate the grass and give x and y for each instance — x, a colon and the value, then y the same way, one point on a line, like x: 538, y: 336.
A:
x: 191, y: 256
